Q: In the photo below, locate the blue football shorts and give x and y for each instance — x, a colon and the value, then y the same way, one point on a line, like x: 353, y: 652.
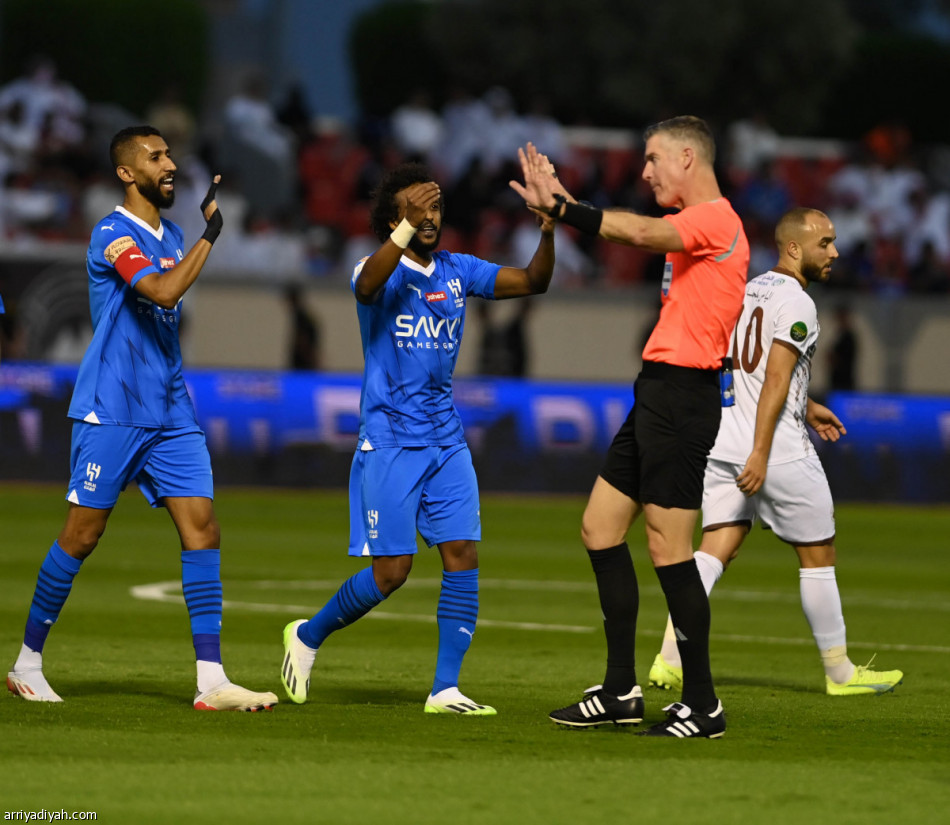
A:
x: 104, y: 458
x: 396, y: 491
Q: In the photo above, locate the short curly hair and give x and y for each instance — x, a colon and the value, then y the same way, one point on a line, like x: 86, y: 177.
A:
x: 385, y: 209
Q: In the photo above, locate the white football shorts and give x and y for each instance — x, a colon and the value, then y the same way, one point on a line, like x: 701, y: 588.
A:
x: 794, y: 502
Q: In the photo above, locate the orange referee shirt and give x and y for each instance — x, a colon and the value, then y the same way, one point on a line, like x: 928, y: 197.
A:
x: 703, y: 287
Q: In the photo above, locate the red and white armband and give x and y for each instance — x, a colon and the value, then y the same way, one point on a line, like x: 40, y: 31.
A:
x: 127, y: 258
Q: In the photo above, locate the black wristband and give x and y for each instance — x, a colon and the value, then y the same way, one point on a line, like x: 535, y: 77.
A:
x: 215, y: 222
x: 213, y: 229
x: 585, y: 218
x: 555, y: 211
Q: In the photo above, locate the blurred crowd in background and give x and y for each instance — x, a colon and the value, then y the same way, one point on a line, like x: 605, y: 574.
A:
x: 297, y: 188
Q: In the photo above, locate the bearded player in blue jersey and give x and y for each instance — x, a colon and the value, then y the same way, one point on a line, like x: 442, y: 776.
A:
x: 133, y: 418
x: 412, y: 470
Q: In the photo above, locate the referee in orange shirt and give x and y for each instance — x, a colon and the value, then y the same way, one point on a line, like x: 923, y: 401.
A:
x: 656, y: 462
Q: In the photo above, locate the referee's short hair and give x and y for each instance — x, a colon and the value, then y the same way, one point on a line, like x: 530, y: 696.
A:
x: 687, y: 129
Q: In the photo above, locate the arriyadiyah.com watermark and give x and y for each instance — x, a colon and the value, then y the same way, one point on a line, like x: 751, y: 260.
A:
x: 43, y: 815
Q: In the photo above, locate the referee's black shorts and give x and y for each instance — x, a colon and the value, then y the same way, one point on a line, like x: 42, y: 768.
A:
x: 659, y: 454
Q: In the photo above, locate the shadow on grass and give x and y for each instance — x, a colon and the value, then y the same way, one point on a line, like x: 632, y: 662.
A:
x: 767, y: 682
x: 137, y: 689
x: 382, y: 696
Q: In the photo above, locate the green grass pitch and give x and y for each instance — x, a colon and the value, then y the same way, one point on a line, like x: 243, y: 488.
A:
x: 126, y: 744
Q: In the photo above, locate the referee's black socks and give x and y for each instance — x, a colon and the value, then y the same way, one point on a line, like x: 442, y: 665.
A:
x: 689, y: 609
x: 619, y: 601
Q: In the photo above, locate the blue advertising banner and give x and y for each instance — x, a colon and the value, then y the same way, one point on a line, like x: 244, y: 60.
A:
x: 896, y: 421
x: 300, y: 428
x: 254, y: 414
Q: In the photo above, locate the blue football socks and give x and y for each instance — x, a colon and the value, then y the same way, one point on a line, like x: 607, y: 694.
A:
x: 456, y: 615
x: 355, y: 598
x: 53, y: 584
x: 201, y: 585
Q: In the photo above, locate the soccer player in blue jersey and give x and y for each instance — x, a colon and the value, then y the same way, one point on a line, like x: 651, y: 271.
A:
x: 412, y: 469
x: 133, y: 418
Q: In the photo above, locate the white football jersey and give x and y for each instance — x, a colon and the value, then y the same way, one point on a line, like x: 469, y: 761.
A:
x: 775, y: 308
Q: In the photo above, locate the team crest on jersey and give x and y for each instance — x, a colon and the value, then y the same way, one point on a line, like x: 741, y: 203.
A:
x: 92, y: 473
x: 372, y: 519
x: 456, y: 286
x: 166, y: 263
x: 798, y: 331
x: 436, y: 296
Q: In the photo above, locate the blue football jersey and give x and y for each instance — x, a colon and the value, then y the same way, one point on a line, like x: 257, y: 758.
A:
x: 131, y: 373
x: 411, y: 335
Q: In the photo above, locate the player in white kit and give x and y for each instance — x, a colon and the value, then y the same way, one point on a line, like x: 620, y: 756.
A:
x: 764, y: 465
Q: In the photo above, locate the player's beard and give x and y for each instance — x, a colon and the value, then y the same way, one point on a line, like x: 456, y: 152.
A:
x: 423, y: 249
x: 813, y: 273
x: 153, y: 193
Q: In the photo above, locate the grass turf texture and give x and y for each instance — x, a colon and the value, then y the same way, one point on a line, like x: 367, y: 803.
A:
x: 126, y: 743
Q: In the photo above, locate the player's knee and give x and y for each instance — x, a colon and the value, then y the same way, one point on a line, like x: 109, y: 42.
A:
x: 598, y: 536
x: 663, y: 551
x: 391, y: 573
x: 79, y: 544
x: 79, y: 537
x: 817, y: 555
x: 205, y: 535
x: 212, y: 534
x: 459, y: 555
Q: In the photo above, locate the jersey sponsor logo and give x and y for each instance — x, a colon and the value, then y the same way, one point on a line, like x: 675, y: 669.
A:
x: 372, y: 519
x: 436, y: 296
x: 149, y: 310
x: 798, y: 332
x: 426, y: 332
x: 92, y: 473
x: 414, y: 289
x: 166, y: 263
x: 110, y: 227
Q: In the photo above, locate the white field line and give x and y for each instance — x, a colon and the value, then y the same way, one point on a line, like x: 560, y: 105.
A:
x: 169, y: 592
x: 939, y: 604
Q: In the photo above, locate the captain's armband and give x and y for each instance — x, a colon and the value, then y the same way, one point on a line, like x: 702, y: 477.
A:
x: 117, y: 247
x: 131, y: 262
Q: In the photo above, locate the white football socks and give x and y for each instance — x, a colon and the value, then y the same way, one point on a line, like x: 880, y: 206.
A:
x: 821, y: 603
x: 210, y: 675
x: 28, y: 660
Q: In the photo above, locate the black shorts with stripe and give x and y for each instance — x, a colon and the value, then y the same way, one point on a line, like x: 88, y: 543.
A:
x: 659, y: 454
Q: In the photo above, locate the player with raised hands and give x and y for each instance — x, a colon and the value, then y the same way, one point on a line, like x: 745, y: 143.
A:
x: 133, y: 420
x: 412, y: 471
x: 655, y: 463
